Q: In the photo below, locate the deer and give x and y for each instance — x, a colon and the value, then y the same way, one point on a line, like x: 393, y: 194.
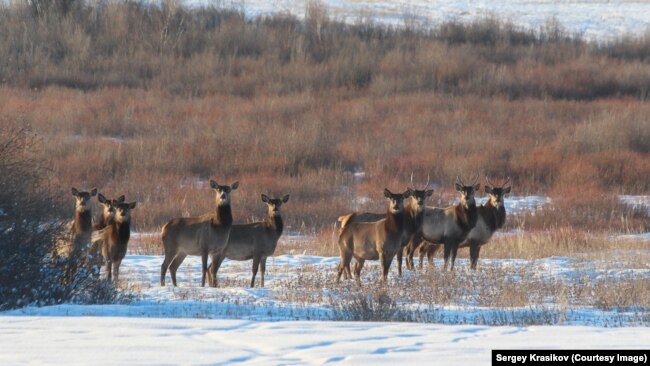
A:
x: 107, y: 216
x: 256, y: 241
x: 204, y: 236
x: 81, y: 226
x: 114, y: 238
x: 379, y: 240
x: 448, y: 226
x: 108, y: 211
x: 414, y: 215
x: 491, y: 217
x: 76, y: 244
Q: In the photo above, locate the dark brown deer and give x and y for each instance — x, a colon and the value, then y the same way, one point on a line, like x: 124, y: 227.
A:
x: 414, y: 216
x: 448, y: 226
x: 114, y: 238
x: 256, y: 241
x: 379, y: 240
x: 491, y: 217
x: 204, y: 236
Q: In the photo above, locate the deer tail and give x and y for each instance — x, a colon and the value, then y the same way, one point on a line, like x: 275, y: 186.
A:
x: 344, y: 221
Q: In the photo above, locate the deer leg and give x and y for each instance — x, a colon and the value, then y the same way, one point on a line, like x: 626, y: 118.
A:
x: 399, y: 261
x: 256, y: 264
x: 216, y: 264
x: 388, y: 259
x: 204, y: 267
x: 176, y: 263
x: 358, y: 266
x: 109, y: 270
x: 421, y: 252
x: 262, y: 270
x: 447, y: 253
x: 340, y: 268
x: 163, y: 268
x: 474, y: 250
x: 116, y: 269
x: 454, y: 251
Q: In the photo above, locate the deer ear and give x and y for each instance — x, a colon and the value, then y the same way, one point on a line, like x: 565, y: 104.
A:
x: 459, y: 188
x: 387, y: 193
x: 93, y: 192
x: 488, y: 190
x: 285, y: 199
x: 132, y: 205
x: 121, y: 199
x: 265, y: 198
x: 75, y: 192
x: 101, y: 198
x: 234, y: 185
x: 214, y: 184
x: 428, y: 193
x: 506, y: 190
x: 408, y: 193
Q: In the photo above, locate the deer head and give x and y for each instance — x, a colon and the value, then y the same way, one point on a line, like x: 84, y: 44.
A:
x: 497, y: 192
x: 467, y: 191
x: 82, y: 198
x: 396, y: 200
x: 222, y: 192
x: 419, y: 195
x: 274, y: 204
x: 123, y: 211
x: 109, y: 208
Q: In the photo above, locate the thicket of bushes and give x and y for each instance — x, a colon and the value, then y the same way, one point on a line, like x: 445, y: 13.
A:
x: 30, y: 226
x: 204, y: 50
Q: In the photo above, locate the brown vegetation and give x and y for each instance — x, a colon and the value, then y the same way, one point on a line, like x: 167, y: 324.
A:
x: 162, y: 98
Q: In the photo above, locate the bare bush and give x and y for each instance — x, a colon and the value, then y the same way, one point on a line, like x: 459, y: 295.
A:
x: 31, y: 226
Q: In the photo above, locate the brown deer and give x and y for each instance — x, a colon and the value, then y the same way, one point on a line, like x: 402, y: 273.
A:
x: 448, y: 226
x: 256, y: 241
x: 108, y: 211
x: 491, y: 217
x: 414, y: 217
x: 379, y: 240
x: 114, y: 238
x: 202, y: 236
x: 82, y: 225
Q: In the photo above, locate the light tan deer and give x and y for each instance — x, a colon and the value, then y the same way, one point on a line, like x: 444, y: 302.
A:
x: 448, y: 226
x: 114, y: 238
x: 491, y: 217
x: 256, y: 241
x: 204, y: 236
x: 379, y: 240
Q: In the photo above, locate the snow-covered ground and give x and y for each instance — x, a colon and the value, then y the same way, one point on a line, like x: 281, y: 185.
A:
x: 596, y: 20
x: 300, y: 287
x: 121, y: 341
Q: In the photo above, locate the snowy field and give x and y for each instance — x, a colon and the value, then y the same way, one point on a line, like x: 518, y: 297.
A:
x: 303, y: 317
x: 120, y: 341
x: 596, y: 20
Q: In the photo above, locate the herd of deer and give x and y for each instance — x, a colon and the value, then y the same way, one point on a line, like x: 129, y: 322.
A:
x: 408, y: 225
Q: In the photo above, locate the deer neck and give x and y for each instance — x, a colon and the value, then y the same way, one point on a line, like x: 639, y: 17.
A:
x: 414, y: 217
x: 275, y: 223
x: 123, y: 230
x: 224, y: 215
x: 394, y: 221
x: 498, y: 214
x: 83, y: 221
x: 466, y: 215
